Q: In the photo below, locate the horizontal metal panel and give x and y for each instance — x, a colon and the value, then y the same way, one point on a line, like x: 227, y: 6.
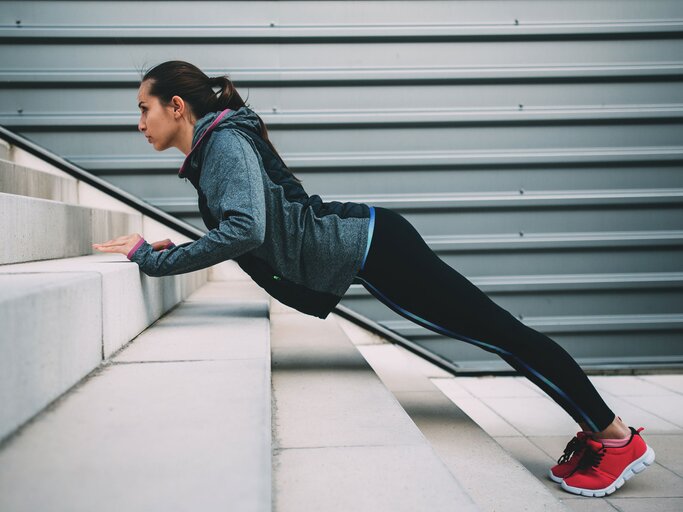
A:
x: 630, y: 349
x: 620, y: 298
x: 653, y: 258
x: 291, y: 63
x: 546, y: 220
x: 403, y: 146
x: 277, y: 31
x: 373, y: 74
x: 352, y: 119
x: 573, y: 324
x: 337, y: 185
x: 306, y: 13
x: 117, y: 107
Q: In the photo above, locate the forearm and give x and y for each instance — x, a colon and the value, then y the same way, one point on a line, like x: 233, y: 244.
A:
x: 209, y: 250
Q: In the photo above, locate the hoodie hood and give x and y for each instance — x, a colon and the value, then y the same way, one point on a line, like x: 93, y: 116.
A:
x: 243, y: 118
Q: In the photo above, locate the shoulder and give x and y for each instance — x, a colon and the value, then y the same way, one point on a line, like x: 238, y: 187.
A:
x: 224, y: 142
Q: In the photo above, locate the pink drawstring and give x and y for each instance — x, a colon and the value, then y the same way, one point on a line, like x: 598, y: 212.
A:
x: 215, y: 122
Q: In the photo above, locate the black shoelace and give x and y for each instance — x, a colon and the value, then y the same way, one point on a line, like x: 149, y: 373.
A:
x: 592, y: 458
x: 572, y: 446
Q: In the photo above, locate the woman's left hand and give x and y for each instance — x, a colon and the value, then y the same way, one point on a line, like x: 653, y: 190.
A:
x: 122, y: 244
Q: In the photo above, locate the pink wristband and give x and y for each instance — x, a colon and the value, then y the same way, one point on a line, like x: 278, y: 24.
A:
x: 135, y: 248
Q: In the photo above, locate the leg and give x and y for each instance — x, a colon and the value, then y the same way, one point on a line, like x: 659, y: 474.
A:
x: 407, y: 276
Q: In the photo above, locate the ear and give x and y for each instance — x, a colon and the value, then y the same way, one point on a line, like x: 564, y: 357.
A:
x: 178, y: 104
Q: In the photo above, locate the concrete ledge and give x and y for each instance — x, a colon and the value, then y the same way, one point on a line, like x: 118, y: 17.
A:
x: 50, y: 339
x: 179, y: 420
x: 343, y: 442
x: 24, y: 158
x: 5, y: 150
x: 39, y: 229
x: 172, y: 422
x: 126, y: 302
x: 130, y: 300
x: 24, y: 181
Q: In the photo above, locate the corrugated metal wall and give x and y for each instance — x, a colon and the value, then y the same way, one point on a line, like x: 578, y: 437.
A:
x: 536, y: 145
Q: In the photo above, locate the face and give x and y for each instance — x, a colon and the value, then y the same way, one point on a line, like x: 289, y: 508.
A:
x: 157, y: 123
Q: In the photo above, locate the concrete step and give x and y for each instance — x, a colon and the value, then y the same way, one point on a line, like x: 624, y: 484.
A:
x: 342, y: 441
x: 179, y: 419
x: 40, y: 229
x: 487, y: 472
x: 61, y: 318
x: 25, y: 181
x: 79, y: 212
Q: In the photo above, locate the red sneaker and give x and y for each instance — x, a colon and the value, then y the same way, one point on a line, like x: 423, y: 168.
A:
x: 603, y: 470
x: 569, y: 460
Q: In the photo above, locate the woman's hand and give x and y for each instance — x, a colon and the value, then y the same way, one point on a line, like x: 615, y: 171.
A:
x: 122, y: 244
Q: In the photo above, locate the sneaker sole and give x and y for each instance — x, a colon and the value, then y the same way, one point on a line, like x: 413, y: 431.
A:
x: 637, y: 466
x: 554, y: 478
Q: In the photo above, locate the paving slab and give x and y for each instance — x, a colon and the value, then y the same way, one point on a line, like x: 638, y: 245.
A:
x: 532, y: 416
x: 396, y: 479
x: 636, y: 416
x: 648, y: 504
x: 492, y: 387
x: 533, y: 459
x: 171, y: 436
x: 671, y: 382
x: 655, y: 482
x: 552, y: 446
x: 481, y: 414
x: 669, y: 407
x: 451, y: 386
x: 584, y: 504
x: 669, y: 450
x: 627, y: 385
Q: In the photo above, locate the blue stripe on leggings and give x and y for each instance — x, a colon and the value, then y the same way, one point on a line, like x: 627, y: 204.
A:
x: 370, y: 231
x: 445, y: 331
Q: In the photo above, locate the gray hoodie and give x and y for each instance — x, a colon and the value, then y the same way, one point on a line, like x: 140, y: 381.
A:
x: 303, y: 251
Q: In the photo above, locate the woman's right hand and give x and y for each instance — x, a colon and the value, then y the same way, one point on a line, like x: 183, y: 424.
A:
x: 161, y: 244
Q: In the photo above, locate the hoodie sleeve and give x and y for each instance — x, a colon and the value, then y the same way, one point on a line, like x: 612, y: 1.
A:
x: 231, y: 179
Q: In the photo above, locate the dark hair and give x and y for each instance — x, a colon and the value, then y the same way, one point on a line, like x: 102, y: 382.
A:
x: 177, y: 77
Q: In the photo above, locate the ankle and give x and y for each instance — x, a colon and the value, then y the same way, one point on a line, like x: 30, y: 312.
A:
x: 616, y: 430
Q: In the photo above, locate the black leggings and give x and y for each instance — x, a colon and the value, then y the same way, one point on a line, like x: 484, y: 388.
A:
x: 402, y: 272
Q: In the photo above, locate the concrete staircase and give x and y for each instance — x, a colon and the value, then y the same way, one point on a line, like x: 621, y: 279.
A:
x: 200, y: 392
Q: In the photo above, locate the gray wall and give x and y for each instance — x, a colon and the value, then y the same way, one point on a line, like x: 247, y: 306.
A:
x: 536, y: 145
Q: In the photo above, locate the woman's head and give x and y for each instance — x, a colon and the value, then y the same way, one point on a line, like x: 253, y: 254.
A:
x: 175, y: 94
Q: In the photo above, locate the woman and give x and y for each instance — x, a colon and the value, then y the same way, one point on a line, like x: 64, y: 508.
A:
x: 306, y: 253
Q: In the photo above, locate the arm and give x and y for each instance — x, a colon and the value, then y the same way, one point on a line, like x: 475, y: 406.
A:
x: 231, y: 179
